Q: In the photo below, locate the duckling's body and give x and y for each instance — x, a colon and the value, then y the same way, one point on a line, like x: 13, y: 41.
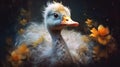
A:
x: 60, y: 47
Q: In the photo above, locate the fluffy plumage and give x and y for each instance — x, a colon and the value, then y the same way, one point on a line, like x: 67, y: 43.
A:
x: 42, y: 54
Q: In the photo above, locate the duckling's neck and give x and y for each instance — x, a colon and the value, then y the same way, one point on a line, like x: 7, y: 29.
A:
x: 60, y: 49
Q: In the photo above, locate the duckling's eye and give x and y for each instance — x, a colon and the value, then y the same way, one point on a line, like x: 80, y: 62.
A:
x: 55, y: 15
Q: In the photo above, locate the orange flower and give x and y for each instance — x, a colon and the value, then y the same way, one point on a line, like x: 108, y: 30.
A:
x: 19, y: 54
x: 102, y: 30
x: 15, y: 56
x: 22, y: 49
x: 89, y: 22
x: 104, y: 40
x: 94, y: 32
x: 101, y: 35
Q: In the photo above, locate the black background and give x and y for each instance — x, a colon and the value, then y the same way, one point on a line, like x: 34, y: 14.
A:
x: 106, y: 12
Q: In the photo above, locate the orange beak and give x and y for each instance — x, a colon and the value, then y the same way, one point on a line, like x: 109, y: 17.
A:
x: 67, y: 21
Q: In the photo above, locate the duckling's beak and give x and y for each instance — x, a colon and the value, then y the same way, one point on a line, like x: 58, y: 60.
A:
x: 67, y: 21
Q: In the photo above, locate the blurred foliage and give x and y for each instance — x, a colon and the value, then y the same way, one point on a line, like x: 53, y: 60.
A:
x: 18, y: 55
x: 105, y: 44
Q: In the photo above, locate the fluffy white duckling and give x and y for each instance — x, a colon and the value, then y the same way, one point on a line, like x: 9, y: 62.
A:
x: 60, y: 47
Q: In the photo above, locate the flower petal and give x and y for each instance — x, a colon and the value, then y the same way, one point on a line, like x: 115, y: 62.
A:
x: 102, y: 30
x: 94, y: 32
x: 102, y: 41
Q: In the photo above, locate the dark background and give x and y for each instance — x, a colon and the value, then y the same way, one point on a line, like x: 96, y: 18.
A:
x: 106, y: 12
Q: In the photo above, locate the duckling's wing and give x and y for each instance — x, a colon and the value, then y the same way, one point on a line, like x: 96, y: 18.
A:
x: 34, y: 33
x: 37, y: 38
x: 79, y: 46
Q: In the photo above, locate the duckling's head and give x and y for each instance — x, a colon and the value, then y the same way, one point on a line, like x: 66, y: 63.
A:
x: 57, y: 16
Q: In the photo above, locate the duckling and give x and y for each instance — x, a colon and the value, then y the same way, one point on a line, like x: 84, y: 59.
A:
x: 60, y: 47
